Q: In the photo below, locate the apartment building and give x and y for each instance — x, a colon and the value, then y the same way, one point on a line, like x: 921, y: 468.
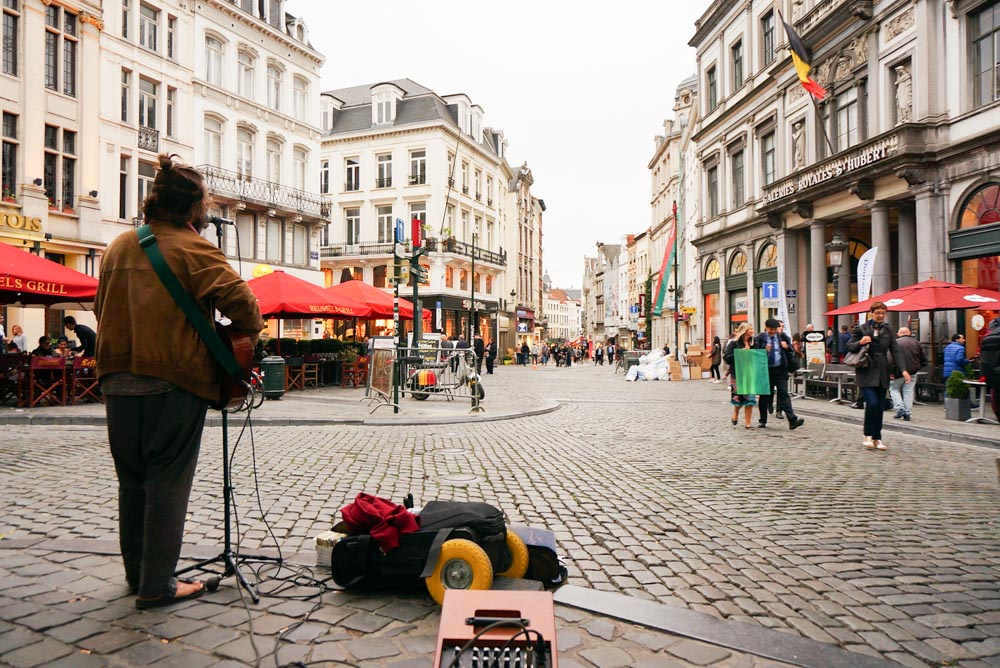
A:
x: 902, y: 154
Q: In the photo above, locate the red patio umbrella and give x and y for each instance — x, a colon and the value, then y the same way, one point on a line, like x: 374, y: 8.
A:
x: 281, y: 295
x: 29, y: 279
x: 930, y: 295
x: 379, y: 300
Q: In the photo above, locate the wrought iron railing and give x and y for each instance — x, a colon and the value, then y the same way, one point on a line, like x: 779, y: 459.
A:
x: 418, y: 179
x: 383, y: 183
x: 363, y: 248
x: 233, y: 184
x: 462, y: 248
x: 149, y: 139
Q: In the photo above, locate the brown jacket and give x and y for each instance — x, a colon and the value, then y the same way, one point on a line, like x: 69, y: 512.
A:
x: 144, y: 331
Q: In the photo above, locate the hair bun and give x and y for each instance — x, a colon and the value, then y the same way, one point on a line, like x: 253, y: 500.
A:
x: 166, y: 160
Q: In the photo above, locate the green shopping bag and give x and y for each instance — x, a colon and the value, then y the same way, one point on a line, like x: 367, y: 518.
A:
x: 751, y: 371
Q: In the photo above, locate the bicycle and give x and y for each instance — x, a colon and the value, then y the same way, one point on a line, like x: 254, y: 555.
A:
x: 620, y: 364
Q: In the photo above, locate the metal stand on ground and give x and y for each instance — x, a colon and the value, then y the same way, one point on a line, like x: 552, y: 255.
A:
x: 229, y: 559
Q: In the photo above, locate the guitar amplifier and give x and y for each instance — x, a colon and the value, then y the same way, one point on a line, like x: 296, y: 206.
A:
x: 480, y: 629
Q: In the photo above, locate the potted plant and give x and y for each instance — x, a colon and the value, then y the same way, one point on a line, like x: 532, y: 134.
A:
x: 52, y: 205
x: 957, y: 405
x: 8, y: 194
x: 68, y: 209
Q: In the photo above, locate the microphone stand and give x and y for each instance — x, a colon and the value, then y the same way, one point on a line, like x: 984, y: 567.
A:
x: 228, y: 558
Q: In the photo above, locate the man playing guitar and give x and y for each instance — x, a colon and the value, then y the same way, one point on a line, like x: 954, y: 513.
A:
x: 158, y: 376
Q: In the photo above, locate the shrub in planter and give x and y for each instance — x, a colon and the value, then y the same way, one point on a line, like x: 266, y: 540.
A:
x: 957, y: 405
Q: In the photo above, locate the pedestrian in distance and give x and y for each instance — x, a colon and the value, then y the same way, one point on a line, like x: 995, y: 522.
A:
x: 157, y: 388
x: 873, y: 380
x: 480, y: 349
x: 842, y: 339
x: 911, y: 357
x: 954, y: 356
x: 744, y: 339
x: 599, y: 356
x: 716, y: 360
x: 780, y: 359
x: 491, y: 357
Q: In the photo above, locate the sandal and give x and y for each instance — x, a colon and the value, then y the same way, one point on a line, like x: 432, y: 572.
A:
x: 160, y: 601
x: 748, y: 426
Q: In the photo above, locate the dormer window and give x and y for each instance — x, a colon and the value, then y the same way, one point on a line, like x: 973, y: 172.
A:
x: 383, y: 109
x: 384, y: 100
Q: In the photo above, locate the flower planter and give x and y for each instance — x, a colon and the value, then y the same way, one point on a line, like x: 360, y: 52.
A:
x: 957, y: 409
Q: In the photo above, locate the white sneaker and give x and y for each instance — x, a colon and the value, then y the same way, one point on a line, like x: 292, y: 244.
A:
x: 879, y: 445
x: 868, y: 443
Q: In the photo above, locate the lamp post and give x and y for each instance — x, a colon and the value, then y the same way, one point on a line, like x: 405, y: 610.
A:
x: 513, y: 312
x: 472, y: 282
x: 835, y: 248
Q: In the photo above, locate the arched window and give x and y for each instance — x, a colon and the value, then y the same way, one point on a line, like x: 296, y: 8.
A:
x: 273, y: 160
x: 214, y: 50
x: 300, y: 94
x: 274, y: 87
x: 244, y: 152
x: 299, y: 159
x: 982, y: 207
x: 213, y: 141
x: 768, y: 258
x: 449, y: 277
x: 737, y: 264
x: 712, y: 270
x: 245, y: 70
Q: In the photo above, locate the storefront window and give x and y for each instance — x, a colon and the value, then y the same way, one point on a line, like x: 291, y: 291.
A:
x: 712, y: 318
x: 982, y: 208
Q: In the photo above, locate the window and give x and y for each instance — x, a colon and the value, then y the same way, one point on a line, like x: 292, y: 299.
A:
x: 171, y: 111
x: 736, y: 171
x: 299, y: 160
x: 274, y: 87
x: 60, y: 167
x: 767, y: 37
x: 767, y: 159
x: 273, y: 160
x: 418, y: 167
x: 123, y: 164
x: 144, y: 183
x: 126, y: 17
x: 352, y: 174
x: 713, y: 89
x: 984, y: 29
x: 10, y: 36
x: 300, y: 93
x: 245, y: 63
x: 384, y: 179
x: 846, y: 133
x: 463, y: 279
x: 244, y: 153
x: 449, y: 222
x: 300, y: 244
x: 737, y: 53
x: 465, y: 226
x: 8, y: 165
x: 324, y: 176
x: 489, y: 191
x: 213, y: 141
x: 352, y: 220
x: 60, y: 38
x: 149, y: 25
x: 379, y: 274
x: 479, y: 184
x: 246, y: 226
x: 147, y: 103
x: 273, y: 241
x: 172, y: 37
x: 383, y: 108
x: 489, y: 284
x: 213, y: 61
x: 451, y: 170
x: 385, y: 231
x: 418, y: 211
x: 449, y: 277
x: 713, y: 191
x: 126, y: 93
x: 465, y: 178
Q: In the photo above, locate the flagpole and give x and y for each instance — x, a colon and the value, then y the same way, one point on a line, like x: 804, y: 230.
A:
x: 812, y: 99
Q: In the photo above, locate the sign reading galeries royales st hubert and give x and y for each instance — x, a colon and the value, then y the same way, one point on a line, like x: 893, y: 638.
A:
x: 831, y: 169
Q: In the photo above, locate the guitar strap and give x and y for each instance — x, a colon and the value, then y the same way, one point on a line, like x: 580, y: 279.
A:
x: 222, y: 354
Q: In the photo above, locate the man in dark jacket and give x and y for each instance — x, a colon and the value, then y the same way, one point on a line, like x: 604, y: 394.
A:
x: 85, y: 336
x: 480, y: 350
x: 779, y: 352
x: 491, y: 356
x: 989, y: 357
x: 912, y: 359
x: 842, y: 339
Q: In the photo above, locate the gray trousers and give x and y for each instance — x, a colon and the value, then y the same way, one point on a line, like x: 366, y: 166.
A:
x: 154, y: 442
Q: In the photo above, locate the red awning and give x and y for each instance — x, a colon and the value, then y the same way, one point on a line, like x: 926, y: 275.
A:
x: 930, y: 295
x: 379, y: 300
x: 281, y: 295
x: 28, y: 279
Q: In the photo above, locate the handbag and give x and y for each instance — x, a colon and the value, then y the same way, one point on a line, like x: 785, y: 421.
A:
x: 859, y: 359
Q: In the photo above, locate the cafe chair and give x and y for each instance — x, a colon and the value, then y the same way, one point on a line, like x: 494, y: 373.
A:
x: 310, y: 374
x: 12, y: 368
x: 47, y: 381
x: 294, y: 374
x: 84, y: 383
x: 356, y: 373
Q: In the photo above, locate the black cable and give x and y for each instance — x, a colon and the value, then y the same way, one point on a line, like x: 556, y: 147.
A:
x: 526, y: 632
x: 488, y: 627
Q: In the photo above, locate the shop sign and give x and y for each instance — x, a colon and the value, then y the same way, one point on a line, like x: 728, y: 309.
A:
x: 834, y: 168
x: 16, y: 221
x: 525, y: 313
x: 740, y: 304
x: 691, y: 310
x: 467, y: 304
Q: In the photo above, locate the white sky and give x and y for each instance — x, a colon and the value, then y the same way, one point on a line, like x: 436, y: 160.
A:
x: 578, y: 88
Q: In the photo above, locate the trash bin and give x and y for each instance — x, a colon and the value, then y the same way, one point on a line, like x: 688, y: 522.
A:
x: 273, y: 370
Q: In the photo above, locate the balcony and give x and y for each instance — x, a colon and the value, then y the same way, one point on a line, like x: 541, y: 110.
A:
x: 418, y: 179
x: 464, y: 249
x: 451, y: 183
x: 823, y: 16
x: 479, y: 197
x: 352, y: 186
x: 365, y: 248
x: 234, y: 185
x: 149, y: 139
x: 383, y: 183
x: 465, y: 190
x: 489, y: 202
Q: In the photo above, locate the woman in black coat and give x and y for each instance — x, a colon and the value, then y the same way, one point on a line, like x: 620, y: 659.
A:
x: 873, y: 380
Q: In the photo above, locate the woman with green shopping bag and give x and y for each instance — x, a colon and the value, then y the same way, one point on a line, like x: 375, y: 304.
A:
x: 743, y: 340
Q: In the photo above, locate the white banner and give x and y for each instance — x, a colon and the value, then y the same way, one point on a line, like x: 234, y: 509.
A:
x: 782, y: 301
x: 866, y: 265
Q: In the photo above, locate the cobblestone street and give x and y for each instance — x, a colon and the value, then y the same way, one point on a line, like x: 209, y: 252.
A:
x: 650, y: 490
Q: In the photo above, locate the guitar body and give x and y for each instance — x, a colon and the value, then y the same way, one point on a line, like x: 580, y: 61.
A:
x: 233, y: 392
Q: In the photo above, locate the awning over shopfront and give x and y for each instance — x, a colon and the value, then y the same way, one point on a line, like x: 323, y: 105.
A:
x: 930, y: 295
x: 378, y: 301
x: 26, y: 279
x: 281, y: 295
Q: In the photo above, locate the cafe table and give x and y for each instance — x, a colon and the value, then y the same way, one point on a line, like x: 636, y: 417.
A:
x: 981, y: 394
x: 840, y: 376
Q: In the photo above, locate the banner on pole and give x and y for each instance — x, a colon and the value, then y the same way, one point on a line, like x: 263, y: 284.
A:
x: 866, y: 267
x: 665, y: 267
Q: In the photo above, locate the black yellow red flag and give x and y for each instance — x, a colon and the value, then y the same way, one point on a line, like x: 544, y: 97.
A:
x: 802, y: 59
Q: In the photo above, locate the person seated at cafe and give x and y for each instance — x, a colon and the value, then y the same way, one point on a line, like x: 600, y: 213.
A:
x: 85, y: 335
x: 62, y: 348
x: 44, y: 348
x: 12, y: 348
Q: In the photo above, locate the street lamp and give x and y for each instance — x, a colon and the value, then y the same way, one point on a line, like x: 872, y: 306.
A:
x: 473, y: 325
x: 835, y: 248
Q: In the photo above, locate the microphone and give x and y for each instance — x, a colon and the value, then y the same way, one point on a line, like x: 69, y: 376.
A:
x: 219, y: 220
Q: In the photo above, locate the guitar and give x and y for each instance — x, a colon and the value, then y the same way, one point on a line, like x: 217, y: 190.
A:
x: 233, y: 391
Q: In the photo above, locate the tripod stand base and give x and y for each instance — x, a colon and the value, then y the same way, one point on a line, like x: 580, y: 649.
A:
x: 231, y: 566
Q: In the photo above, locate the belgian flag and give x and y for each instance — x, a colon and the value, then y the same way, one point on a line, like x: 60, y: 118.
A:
x: 801, y: 58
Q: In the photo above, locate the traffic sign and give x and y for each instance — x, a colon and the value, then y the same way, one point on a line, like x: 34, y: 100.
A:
x: 400, y: 235
x: 769, y: 290
x: 400, y: 250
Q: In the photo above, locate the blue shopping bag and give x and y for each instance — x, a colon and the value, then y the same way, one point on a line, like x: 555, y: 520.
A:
x: 751, y: 371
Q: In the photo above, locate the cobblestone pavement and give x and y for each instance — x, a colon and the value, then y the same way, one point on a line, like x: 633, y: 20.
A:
x: 651, y: 492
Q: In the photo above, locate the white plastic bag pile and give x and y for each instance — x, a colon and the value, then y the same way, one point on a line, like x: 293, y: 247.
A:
x: 652, y: 366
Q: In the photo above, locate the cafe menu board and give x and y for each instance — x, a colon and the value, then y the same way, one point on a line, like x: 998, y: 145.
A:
x: 815, y: 348
x: 427, y: 347
x: 381, y: 352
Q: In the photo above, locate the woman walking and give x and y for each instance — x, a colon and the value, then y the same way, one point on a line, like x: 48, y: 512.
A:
x: 873, y: 380
x: 716, y: 360
x: 743, y: 339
